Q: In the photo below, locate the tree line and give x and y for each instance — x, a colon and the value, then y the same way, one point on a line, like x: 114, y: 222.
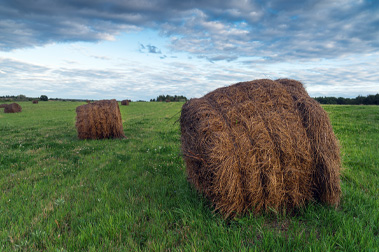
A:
x: 170, y: 98
x: 22, y: 97
x: 365, y: 100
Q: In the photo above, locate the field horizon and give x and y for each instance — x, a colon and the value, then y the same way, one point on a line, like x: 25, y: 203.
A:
x: 59, y: 193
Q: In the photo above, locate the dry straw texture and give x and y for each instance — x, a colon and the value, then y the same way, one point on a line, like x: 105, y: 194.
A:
x: 98, y: 120
x: 12, y: 108
x: 125, y: 102
x: 260, y: 146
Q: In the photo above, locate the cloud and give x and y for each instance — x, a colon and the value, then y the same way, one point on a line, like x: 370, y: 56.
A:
x: 276, y: 29
x: 323, y: 30
x: 350, y: 77
x: 149, y: 49
x: 219, y: 58
x: 153, y: 49
x: 141, y: 47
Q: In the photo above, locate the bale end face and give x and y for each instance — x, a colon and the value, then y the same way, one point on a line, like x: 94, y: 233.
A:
x: 98, y: 120
x: 252, y: 147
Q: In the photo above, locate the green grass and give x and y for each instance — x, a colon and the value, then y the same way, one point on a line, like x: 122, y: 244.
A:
x: 59, y: 193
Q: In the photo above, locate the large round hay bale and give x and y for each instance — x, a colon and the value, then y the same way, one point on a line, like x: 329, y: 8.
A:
x: 125, y: 102
x: 12, y: 108
x: 260, y: 146
x: 98, y: 120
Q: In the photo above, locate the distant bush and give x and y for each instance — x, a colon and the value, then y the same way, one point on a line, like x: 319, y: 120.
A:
x: 44, y: 98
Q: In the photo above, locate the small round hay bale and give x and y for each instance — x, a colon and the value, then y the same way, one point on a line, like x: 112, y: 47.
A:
x: 12, y: 108
x: 125, y: 102
x: 35, y: 101
x: 260, y: 146
x: 98, y: 120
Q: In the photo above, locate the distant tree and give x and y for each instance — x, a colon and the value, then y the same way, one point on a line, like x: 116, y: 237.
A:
x: 341, y: 100
x: 175, y: 98
x: 44, y: 98
x: 21, y: 97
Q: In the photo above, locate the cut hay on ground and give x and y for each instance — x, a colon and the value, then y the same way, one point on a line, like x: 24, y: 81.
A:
x: 98, y: 120
x: 260, y: 146
x: 125, y: 102
x: 35, y: 102
x: 3, y: 105
x: 12, y: 108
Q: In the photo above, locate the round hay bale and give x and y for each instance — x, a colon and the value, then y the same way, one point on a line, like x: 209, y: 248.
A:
x: 260, y: 146
x: 12, y: 108
x: 125, y: 102
x: 98, y: 120
x: 35, y: 101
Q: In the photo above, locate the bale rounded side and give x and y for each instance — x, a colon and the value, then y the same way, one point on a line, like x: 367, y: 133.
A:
x: 325, y: 147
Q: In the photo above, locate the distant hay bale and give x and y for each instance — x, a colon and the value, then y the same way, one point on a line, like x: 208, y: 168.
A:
x: 35, y: 101
x: 12, y: 108
x: 98, y: 120
x: 260, y: 146
x: 125, y: 102
x: 88, y: 101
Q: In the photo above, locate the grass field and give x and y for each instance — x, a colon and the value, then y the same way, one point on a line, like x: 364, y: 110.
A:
x: 59, y: 193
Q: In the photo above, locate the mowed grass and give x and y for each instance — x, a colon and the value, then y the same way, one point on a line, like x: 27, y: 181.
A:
x: 59, y: 193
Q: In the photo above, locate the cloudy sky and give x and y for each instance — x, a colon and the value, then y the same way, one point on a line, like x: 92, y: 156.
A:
x: 139, y: 49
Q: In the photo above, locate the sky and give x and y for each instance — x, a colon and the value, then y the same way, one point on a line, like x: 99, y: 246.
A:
x: 139, y: 49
